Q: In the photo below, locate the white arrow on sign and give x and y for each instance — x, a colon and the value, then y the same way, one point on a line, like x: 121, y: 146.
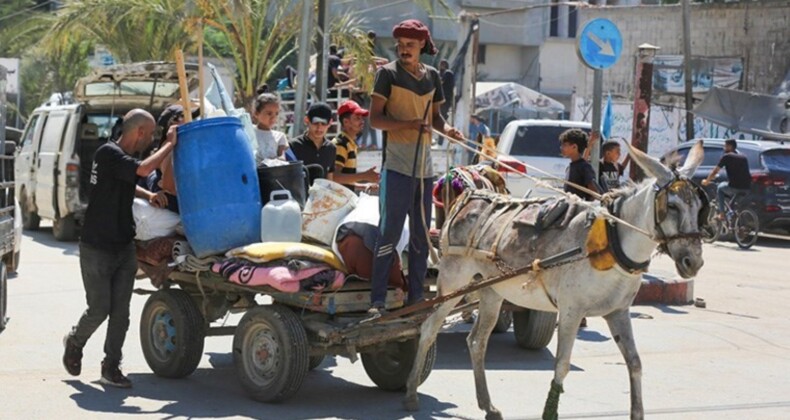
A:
x: 605, y: 46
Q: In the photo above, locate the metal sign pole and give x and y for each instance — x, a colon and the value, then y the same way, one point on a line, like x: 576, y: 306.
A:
x: 300, y: 104
x: 595, y: 152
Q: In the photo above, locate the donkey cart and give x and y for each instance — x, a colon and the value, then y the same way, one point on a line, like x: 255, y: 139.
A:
x: 276, y: 344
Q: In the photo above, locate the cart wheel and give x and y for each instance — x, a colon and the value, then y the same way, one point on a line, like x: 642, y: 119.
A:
x: 270, y: 351
x: 389, y: 366
x: 3, y: 295
x: 503, y: 322
x: 534, y: 329
x: 172, y: 332
x: 315, y: 361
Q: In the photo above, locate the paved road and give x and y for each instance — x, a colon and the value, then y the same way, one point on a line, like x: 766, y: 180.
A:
x: 728, y: 361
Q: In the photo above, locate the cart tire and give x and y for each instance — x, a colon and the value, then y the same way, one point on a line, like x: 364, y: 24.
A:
x: 64, y: 229
x: 315, y: 362
x: 172, y: 333
x: 271, y: 353
x: 30, y: 219
x: 390, y: 365
x: 3, y: 295
x: 534, y: 329
x: 503, y: 322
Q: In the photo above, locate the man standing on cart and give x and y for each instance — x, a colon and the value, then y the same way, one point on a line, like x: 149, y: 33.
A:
x: 107, y: 251
x: 406, y: 103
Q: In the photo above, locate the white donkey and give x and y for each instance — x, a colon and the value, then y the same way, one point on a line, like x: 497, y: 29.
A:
x: 601, y: 282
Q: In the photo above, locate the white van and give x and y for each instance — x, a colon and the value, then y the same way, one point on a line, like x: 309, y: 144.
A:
x: 534, y: 143
x: 54, y: 160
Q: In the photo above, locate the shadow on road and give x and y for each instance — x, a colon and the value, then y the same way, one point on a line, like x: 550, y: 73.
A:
x: 216, y: 393
x: 44, y: 237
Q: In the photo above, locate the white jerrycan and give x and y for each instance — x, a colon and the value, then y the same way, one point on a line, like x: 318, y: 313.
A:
x: 281, y: 218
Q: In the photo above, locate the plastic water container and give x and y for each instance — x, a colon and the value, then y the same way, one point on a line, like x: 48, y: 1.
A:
x: 327, y: 204
x: 217, y: 185
x: 281, y: 218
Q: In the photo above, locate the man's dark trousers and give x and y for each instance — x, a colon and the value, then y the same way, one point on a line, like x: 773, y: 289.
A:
x: 401, y: 195
x: 108, y: 276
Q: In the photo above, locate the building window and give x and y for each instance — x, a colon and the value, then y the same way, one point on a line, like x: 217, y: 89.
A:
x: 481, y: 54
x: 554, y: 17
x: 573, y: 19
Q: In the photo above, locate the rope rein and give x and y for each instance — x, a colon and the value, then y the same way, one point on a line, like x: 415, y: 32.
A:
x: 572, y: 198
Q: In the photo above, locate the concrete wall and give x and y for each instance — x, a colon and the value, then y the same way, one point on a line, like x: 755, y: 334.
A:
x: 512, y: 40
x: 756, y: 31
x: 558, y: 66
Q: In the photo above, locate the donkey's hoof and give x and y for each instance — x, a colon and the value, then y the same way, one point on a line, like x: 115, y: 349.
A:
x: 494, y: 415
x: 411, y: 404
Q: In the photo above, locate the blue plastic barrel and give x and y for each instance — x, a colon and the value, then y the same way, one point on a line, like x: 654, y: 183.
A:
x: 218, y: 194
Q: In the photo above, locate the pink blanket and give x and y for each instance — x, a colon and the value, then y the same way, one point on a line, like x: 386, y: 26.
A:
x: 280, y: 278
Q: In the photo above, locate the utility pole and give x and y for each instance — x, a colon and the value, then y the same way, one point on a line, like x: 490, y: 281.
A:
x: 595, y: 153
x: 466, y: 106
x: 322, y: 61
x: 643, y: 89
x: 687, y: 70
x: 303, y: 73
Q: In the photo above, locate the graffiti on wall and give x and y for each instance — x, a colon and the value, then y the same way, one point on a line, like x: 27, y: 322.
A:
x: 667, y: 125
x: 706, y: 72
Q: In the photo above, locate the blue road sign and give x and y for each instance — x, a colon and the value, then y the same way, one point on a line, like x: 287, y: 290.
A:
x: 600, y: 44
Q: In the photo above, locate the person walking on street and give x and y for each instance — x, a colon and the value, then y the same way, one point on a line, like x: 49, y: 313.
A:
x: 739, y: 179
x: 448, y: 89
x: 107, y: 250
x: 352, y: 123
x: 406, y: 100
x: 478, y: 130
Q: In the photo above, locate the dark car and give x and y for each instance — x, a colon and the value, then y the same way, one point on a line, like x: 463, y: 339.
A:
x: 769, y: 164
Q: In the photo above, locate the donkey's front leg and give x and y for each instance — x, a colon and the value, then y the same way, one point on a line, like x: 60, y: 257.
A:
x: 566, y: 334
x: 477, y: 341
x: 428, y: 332
x: 620, y: 326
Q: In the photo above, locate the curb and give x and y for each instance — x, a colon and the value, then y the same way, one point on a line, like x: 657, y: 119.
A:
x: 656, y: 289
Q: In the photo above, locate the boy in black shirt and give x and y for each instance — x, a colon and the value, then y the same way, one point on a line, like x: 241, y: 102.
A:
x: 739, y: 179
x: 312, y: 148
x: 107, y: 252
x: 610, y: 170
x: 573, y: 142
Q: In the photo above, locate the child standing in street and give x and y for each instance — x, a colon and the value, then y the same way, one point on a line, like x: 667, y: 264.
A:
x: 271, y: 143
x: 610, y: 170
x: 573, y: 143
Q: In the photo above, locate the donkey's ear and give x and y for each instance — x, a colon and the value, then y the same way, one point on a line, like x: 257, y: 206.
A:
x: 694, y: 159
x: 650, y: 165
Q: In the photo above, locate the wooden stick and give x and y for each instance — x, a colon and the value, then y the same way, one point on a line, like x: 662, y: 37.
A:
x: 200, y: 71
x: 182, y: 84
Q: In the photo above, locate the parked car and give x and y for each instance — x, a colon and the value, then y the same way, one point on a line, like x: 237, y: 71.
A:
x: 56, y: 151
x: 10, y: 227
x: 769, y: 164
x: 534, y: 143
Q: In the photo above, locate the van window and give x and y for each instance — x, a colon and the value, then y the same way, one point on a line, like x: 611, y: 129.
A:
x: 53, y: 132
x: 540, y: 141
x: 31, y: 130
x: 104, y: 122
x: 777, y: 160
x: 714, y: 153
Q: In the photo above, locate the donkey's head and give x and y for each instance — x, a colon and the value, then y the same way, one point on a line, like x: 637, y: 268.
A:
x: 680, y: 208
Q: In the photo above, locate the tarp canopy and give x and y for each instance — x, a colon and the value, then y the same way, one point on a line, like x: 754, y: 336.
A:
x: 498, y: 95
x: 764, y: 115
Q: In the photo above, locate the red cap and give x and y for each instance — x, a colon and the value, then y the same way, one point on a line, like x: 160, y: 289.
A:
x: 352, y: 107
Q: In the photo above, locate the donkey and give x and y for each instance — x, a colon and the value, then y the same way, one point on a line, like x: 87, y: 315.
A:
x: 603, y: 281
